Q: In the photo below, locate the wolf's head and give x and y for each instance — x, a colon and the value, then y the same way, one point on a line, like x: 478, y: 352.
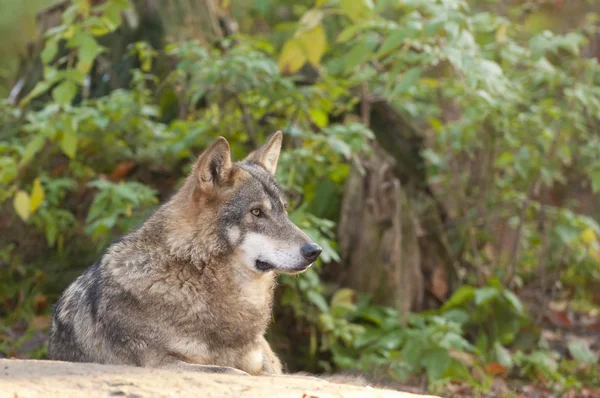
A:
x: 246, y: 210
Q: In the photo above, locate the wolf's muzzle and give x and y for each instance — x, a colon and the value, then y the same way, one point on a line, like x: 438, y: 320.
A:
x: 311, y: 251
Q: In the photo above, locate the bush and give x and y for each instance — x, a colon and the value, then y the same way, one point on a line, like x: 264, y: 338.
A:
x: 508, y: 117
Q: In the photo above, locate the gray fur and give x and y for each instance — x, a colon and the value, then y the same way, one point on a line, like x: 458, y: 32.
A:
x: 182, y: 291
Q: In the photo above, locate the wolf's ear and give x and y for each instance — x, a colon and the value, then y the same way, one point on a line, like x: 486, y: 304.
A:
x: 268, y: 155
x: 214, y: 165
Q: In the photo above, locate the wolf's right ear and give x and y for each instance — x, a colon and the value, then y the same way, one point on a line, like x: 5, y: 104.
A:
x: 213, y: 167
x: 268, y: 155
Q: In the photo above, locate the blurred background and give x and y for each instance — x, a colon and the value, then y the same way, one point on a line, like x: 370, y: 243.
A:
x: 444, y: 153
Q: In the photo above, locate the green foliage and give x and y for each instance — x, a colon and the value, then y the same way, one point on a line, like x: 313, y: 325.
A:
x: 494, y: 312
x: 508, y: 117
x: 403, y: 347
x: 113, y: 202
x: 78, y: 32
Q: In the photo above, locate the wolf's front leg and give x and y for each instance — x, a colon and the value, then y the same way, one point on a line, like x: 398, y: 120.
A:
x: 271, y: 363
x: 259, y: 359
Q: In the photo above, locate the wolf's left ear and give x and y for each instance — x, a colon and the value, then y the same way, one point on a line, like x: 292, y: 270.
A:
x: 268, y: 155
x: 213, y: 167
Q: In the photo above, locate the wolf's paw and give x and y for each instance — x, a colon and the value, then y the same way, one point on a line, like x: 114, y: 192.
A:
x: 297, y: 376
x: 223, y: 370
x: 233, y: 371
x: 227, y: 370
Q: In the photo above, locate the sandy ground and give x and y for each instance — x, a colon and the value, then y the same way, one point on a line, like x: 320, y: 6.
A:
x: 30, y: 378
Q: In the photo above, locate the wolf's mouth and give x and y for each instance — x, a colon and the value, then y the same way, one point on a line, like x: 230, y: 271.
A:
x: 263, y: 265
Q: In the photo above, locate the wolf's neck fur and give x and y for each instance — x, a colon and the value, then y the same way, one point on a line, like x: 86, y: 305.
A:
x: 212, y: 270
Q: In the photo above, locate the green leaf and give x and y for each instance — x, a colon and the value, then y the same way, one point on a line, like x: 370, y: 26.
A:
x: 98, y: 26
x: 408, y: 80
x: 543, y: 361
x: 37, y: 195
x: 505, y: 159
x: 456, y: 315
x: 68, y: 142
x: 112, y: 13
x: 68, y: 16
x: 413, y: 351
x: 8, y: 170
x: 580, y: 351
x: 359, y: 53
x: 326, y: 321
x: 461, y: 296
x: 357, y: 9
x: 88, y: 50
x: 595, y: 178
x: 514, y: 301
x: 50, y: 50
x: 567, y: 233
x: 374, y: 315
x: 340, y: 147
x: 64, y: 92
x: 349, y: 33
x: 262, y: 6
x: 503, y: 355
x: 21, y: 204
x: 436, y: 363
x: 318, y: 300
x: 32, y: 148
x: 40, y: 88
x: 51, y: 231
x: 564, y: 153
x: 433, y: 27
x: 486, y: 96
x: 537, y: 46
x: 484, y: 294
x: 391, y: 341
x: 393, y: 41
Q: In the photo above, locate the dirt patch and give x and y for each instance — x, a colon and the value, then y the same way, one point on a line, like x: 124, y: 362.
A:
x: 31, y: 379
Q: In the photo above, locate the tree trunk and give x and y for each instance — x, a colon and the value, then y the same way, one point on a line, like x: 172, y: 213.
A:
x: 385, y: 249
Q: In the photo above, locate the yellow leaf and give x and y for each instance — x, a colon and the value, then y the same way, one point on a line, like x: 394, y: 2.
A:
x: 343, y: 296
x: 83, y: 7
x: 292, y: 57
x: 21, y: 204
x: 588, y: 236
x: 37, y: 195
x: 68, y: 143
x: 501, y: 33
x: 319, y: 117
x: 357, y: 9
x: 429, y: 82
x: 128, y: 211
x: 313, y: 43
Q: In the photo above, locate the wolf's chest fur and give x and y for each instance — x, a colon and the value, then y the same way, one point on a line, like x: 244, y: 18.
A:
x: 219, y: 317
x: 216, y: 304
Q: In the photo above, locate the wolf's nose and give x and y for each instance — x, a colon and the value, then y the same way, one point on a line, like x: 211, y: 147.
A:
x: 310, y: 251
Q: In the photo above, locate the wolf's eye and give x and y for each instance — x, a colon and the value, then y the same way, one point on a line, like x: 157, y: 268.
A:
x: 256, y: 212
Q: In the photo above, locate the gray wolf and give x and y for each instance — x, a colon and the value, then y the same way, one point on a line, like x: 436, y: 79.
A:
x: 192, y: 287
